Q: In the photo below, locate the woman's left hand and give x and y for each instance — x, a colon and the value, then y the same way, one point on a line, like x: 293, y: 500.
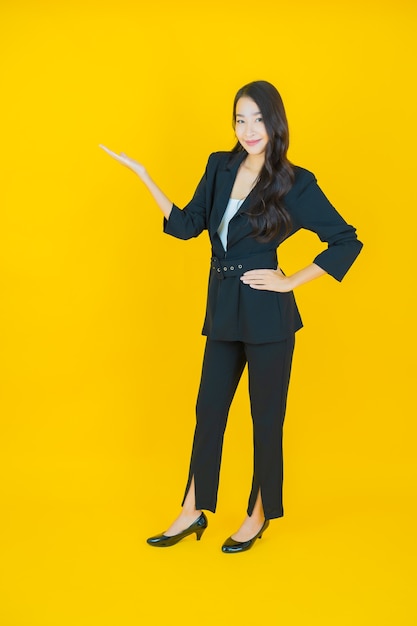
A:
x: 268, y: 280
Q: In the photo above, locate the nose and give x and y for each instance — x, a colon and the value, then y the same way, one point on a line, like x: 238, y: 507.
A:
x: 249, y: 130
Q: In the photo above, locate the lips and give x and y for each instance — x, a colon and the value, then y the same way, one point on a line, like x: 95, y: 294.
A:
x: 253, y: 143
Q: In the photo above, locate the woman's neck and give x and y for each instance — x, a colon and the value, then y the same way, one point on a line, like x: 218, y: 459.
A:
x: 254, y: 162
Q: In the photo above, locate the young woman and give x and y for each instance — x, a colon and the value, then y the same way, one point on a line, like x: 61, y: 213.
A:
x: 249, y: 200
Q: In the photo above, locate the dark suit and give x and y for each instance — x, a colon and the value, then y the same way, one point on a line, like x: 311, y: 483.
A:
x: 239, y: 318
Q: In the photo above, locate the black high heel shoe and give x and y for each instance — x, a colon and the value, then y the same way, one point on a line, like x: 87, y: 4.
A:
x: 231, y: 546
x: 197, y: 527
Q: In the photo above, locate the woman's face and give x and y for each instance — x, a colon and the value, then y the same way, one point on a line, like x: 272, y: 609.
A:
x: 250, y: 129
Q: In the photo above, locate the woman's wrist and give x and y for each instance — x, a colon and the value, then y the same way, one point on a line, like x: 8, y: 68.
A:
x: 144, y: 176
x: 305, y: 275
x: 290, y: 282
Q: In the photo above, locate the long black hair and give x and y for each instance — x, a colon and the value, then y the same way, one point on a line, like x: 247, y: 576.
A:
x: 267, y: 212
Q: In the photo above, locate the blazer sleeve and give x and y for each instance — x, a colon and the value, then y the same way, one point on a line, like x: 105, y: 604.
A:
x: 311, y: 209
x: 192, y: 219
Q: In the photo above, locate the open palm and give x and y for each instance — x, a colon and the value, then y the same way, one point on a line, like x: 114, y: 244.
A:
x: 122, y: 158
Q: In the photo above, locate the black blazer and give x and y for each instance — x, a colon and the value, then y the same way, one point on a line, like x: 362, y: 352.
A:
x: 235, y: 311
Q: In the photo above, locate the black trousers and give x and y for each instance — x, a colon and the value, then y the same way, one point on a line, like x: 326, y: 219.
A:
x: 269, y: 367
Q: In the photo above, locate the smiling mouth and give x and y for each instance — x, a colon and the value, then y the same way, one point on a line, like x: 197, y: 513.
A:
x: 253, y: 142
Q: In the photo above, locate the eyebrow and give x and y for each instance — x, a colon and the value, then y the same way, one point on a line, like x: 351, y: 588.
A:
x: 240, y: 115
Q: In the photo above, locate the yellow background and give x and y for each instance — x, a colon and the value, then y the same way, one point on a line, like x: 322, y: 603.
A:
x: 101, y: 315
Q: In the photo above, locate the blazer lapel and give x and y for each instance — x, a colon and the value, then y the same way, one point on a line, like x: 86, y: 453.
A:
x: 239, y: 226
x: 224, y: 184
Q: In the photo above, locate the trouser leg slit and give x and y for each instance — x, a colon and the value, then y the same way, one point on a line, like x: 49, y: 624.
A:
x: 269, y: 367
x: 223, y: 364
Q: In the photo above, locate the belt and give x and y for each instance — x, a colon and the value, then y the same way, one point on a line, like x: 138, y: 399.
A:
x: 225, y: 268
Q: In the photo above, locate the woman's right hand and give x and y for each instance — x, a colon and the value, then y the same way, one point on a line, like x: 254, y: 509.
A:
x: 160, y: 198
x: 122, y: 158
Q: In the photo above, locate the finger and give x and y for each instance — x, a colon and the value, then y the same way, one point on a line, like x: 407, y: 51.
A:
x: 254, y: 278
x: 120, y: 157
x: 106, y: 149
x: 258, y: 273
x: 256, y: 283
x: 258, y: 286
x: 114, y: 155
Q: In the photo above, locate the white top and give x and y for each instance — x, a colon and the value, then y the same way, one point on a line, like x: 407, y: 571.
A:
x: 232, y: 208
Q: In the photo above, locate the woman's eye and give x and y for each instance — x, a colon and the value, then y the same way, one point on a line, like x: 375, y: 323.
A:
x: 239, y: 121
x: 259, y: 119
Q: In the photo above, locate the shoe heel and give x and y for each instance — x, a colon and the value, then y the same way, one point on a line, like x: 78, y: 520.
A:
x: 199, y: 533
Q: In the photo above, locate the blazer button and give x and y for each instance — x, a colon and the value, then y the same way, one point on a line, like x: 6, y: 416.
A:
x: 218, y: 269
x: 240, y: 266
x: 232, y: 267
x: 225, y: 269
